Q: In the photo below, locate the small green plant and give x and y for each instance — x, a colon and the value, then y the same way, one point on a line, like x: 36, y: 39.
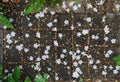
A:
x: 4, y: 20
x: 36, y: 5
x: 27, y: 79
x: 1, y: 72
x: 15, y: 76
x: 40, y: 78
x: 81, y: 79
x: 117, y: 59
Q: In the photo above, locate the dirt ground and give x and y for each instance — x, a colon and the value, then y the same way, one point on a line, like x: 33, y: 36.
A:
x: 66, y: 41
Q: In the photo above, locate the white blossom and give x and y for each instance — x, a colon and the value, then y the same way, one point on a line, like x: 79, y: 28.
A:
x: 71, y: 3
x: 80, y: 62
x: 90, y: 61
x: 19, y: 47
x: 31, y: 58
x: 60, y: 35
x: 26, y: 50
x: 47, y: 47
x: 50, y: 24
x: 55, y: 43
x: 79, y: 34
x: 9, y: 41
x: 64, y: 51
x: 113, y: 41
x: 100, y: 2
x: 117, y: 7
x: 75, y: 7
x: 38, y: 34
x: 27, y: 35
x: 84, y: 32
x: 77, y: 51
x: 89, y: 5
x: 8, y: 36
x: 75, y: 64
x: 30, y: 24
x: 66, y: 22
x: 64, y: 5
x: 36, y: 45
x: 75, y: 75
x: 12, y: 33
x: 106, y: 38
x: 88, y: 19
x: 58, y: 61
x: 62, y: 56
x: 110, y: 67
x: 106, y: 29
x: 41, y: 14
x: 94, y: 67
x: 95, y: 10
x: 52, y: 12
x: 11, y: 19
x: 38, y: 59
x: 104, y: 73
x: 46, y: 52
x: 115, y: 71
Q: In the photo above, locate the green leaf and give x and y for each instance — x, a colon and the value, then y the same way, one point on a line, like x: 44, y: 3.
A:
x: 27, y: 79
x: 1, y: 8
x: 58, y: 2
x: 116, y: 58
x: 1, y: 72
x: 5, y: 21
x: 10, y: 79
x: 16, y: 74
x: 34, y: 6
x: 118, y: 63
x: 81, y: 80
x: 45, y: 76
x: 51, y: 3
x: 39, y: 78
x: 78, y: 1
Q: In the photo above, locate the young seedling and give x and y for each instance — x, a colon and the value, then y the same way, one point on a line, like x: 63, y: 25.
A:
x: 1, y: 72
x: 4, y: 20
x: 37, y: 5
x: 40, y: 78
x: 80, y: 80
x: 117, y: 59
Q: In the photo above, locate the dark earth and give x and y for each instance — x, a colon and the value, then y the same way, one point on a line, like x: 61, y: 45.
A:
x: 10, y: 57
